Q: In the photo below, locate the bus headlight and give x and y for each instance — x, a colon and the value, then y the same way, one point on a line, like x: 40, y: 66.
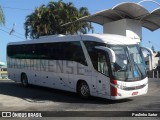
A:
x: 121, y: 87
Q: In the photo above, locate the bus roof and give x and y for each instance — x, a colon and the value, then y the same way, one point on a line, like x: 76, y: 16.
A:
x: 103, y: 38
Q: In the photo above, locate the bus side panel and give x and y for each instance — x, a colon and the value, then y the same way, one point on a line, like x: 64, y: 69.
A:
x: 14, y: 74
x: 103, y: 85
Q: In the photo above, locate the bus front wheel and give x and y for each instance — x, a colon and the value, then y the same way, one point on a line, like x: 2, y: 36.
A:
x: 83, y: 90
x: 24, y: 80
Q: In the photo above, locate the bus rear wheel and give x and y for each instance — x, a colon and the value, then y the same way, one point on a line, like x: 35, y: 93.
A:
x: 24, y: 80
x: 83, y: 90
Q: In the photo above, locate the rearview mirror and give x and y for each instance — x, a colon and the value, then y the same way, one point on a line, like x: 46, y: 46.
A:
x: 151, y: 57
x: 148, y: 49
x: 110, y: 52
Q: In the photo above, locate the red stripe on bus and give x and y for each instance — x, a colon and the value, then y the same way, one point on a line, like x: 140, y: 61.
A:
x: 114, y: 89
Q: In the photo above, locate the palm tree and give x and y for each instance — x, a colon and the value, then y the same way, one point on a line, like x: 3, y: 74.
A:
x: 48, y: 20
x: 84, y: 26
x: 62, y: 13
x: 2, y: 19
x: 37, y: 23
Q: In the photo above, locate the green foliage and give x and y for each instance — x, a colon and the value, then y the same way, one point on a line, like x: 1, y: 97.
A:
x: 2, y: 19
x: 48, y: 20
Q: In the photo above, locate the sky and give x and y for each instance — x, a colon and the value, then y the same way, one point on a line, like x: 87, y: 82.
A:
x: 15, y: 12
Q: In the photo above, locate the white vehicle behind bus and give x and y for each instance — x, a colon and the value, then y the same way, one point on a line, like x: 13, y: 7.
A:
x: 102, y: 65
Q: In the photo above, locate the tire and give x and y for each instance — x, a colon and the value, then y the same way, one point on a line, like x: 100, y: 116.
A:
x: 83, y: 90
x: 24, y: 80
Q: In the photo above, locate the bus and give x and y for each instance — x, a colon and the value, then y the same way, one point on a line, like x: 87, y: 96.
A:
x: 103, y: 65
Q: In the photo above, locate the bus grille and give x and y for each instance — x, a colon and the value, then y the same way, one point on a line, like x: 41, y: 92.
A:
x: 135, y: 88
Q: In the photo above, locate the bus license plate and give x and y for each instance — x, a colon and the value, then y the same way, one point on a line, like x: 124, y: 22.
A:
x: 135, y: 93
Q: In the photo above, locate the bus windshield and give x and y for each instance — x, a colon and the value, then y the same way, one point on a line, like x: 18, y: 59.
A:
x: 129, y: 63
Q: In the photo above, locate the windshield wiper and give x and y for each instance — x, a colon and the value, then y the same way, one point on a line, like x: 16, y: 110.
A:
x: 135, y: 64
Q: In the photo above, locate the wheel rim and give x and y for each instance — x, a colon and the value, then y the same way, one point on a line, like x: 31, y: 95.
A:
x: 85, y: 90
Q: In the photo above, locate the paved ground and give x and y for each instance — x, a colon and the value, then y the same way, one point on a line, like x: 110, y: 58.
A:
x: 14, y: 97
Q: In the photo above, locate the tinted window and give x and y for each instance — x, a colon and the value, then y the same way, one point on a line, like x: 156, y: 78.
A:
x: 98, y: 58
x: 102, y: 63
x: 91, y: 44
x: 71, y: 51
x: 74, y: 52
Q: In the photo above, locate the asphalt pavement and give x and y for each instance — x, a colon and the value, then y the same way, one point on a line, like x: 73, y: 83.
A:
x: 15, y: 97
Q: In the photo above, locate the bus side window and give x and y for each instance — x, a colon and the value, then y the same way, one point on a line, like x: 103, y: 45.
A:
x: 102, y: 64
x: 99, y: 61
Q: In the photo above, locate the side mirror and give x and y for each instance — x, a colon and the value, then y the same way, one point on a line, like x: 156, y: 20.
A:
x: 111, y: 53
x: 151, y: 66
x: 148, y: 49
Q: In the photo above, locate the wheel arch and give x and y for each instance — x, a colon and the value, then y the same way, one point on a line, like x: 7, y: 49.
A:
x: 80, y: 81
x: 23, y: 73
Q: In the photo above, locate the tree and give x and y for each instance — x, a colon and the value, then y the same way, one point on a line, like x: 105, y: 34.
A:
x: 36, y: 23
x: 48, y: 20
x: 2, y: 19
x: 84, y: 26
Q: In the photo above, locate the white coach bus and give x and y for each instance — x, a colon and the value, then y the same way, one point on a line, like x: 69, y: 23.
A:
x: 103, y: 65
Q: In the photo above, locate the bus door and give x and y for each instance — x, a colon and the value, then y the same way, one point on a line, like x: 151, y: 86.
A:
x: 102, y: 74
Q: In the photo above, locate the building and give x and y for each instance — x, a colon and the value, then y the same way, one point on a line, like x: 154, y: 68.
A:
x: 158, y: 65
x: 3, y: 71
x: 2, y: 64
x: 155, y: 61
